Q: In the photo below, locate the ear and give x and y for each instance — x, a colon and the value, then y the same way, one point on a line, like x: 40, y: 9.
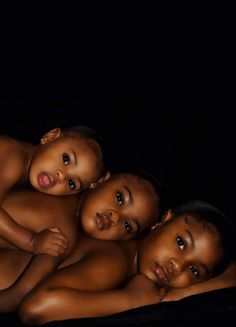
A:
x: 101, y: 180
x: 168, y: 215
x: 51, y: 136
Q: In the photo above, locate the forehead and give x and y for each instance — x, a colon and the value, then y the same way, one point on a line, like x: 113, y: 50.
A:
x: 74, y: 140
x: 80, y: 146
x: 140, y: 191
x: 134, y: 183
x: 191, y: 223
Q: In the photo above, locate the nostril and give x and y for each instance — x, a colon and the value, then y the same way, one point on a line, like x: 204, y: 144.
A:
x: 112, y: 217
x: 60, y: 176
x: 172, y: 266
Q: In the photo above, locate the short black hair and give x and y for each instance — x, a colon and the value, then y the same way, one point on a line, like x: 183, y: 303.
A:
x: 85, y: 131
x: 149, y: 178
x: 207, y: 213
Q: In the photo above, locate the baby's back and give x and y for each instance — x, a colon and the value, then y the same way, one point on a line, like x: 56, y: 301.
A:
x: 14, y: 157
x: 37, y: 211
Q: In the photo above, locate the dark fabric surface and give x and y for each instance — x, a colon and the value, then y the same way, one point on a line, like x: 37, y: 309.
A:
x: 216, y: 308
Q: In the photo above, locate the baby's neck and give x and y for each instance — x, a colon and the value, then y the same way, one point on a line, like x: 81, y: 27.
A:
x: 77, y: 208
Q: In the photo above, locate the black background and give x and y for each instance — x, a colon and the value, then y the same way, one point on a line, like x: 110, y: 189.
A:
x: 183, y: 131
x: 187, y: 143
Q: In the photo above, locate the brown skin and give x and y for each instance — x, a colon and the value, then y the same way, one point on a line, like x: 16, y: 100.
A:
x: 120, y: 208
x: 166, y: 258
x: 185, y: 252
x: 37, y: 211
x: 60, y: 165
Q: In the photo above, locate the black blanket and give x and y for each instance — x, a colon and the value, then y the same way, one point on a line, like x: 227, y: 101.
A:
x: 216, y: 308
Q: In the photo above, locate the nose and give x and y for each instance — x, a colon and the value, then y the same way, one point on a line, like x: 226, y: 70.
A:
x: 114, y: 216
x: 60, y: 176
x: 176, y: 266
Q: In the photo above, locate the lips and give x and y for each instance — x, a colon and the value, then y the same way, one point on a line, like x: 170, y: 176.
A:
x: 46, y: 180
x: 161, y: 273
x: 103, y: 222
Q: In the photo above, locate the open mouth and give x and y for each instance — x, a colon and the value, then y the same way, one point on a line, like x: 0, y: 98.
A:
x: 45, y: 180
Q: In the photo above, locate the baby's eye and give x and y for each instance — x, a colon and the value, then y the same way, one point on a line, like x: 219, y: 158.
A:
x: 180, y: 243
x: 66, y: 159
x: 127, y: 227
x: 71, y: 184
x: 195, y: 271
x: 119, y: 198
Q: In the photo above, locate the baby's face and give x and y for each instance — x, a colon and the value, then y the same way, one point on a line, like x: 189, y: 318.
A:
x: 119, y: 208
x: 182, y: 252
x: 64, y: 166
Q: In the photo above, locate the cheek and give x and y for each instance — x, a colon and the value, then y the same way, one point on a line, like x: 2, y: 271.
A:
x: 184, y: 280
x: 88, y: 211
x: 43, y: 160
x: 150, y: 251
x: 158, y: 244
x: 88, y: 223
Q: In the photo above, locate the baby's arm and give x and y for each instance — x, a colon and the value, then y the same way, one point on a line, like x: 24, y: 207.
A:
x: 39, y: 267
x: 55, y: 298
x: 53, y: 242
x: 226, y: 279
x: 47, y: 241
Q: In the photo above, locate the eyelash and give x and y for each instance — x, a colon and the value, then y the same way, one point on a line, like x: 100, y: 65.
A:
x: 193, y: 269
x: 180, y: 243
x: 128, y: 227
x: 66, y: 159
x: 120, y: 198
x: 71, y: 184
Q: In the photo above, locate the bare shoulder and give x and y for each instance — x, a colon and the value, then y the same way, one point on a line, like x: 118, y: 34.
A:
x: 98, y: 265
x: 12, y: 161
x: 37, y: 211
x: 7, y: 143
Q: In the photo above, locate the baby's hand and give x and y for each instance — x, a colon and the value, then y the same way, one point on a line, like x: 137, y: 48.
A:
x: 143, y: 291
x: 49, y: 241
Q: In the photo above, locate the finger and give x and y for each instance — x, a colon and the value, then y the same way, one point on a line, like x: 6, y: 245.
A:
x: 59, y: 249
x: 61, y: 236
x: 55, y: 230
x: 61, y: 241
x: 60, y: 244
x: 57, y: 233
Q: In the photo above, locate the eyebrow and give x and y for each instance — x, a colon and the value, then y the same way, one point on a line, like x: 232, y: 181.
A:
x: 130, y: 201
x: 206, y: 269
x: 130, y: 196
x: 138, y: 226
x: 75, y: 156
x: 76, y: 162
x: 192, y: 243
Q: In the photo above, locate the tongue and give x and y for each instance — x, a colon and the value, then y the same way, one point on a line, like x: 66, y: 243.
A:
x: 46, y: 180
